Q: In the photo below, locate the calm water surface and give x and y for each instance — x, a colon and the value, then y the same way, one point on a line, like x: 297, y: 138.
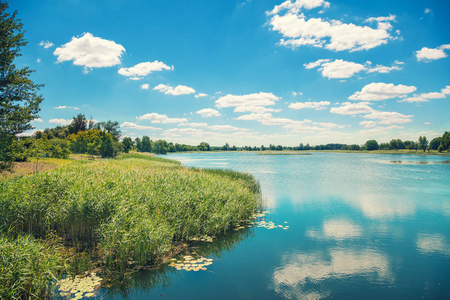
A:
x: 360, y: 226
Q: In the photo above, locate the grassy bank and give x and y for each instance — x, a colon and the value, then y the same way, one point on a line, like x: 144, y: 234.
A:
x: 115, y: 215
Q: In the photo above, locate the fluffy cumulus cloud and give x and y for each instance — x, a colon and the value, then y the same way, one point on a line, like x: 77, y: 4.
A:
x: 208, y: 113
x: 344, y: 69
x: 157, y: 118
x: 298, y: 30
x: 316, y: 105
x: 382, y: 91
x: 178, y: 90
x: 425, y: 97
x: 144, y: 86
x: 295, y: 7
x: 249, y: 100
x: 60, y: 121
x: 46, y: 44
x: 349, y: 108
x: 90, y: 52
x: 37, y: 120
x: 429, y: 54
x: 143, y: 69
x: 131, y: 125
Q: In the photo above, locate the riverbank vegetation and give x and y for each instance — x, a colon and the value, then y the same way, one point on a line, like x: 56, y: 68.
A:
x: 112, y: 215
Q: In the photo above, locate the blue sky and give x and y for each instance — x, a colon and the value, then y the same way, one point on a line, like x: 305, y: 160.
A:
x: 244, y: 72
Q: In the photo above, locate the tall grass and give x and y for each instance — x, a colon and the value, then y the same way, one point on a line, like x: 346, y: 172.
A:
x: 124, y: 213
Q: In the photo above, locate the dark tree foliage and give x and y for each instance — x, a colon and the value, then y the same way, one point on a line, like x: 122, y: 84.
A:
x: 106, y: 147
x: 445, y: 142
x: 127, y: 144
x: 79, y: 123
x: 204, y: 146
x: 423, y: 143
x: 160, y: 147
x: 371, y: 145
x: 19, y: 101
x: 434, y: 144
x: 112, y: 127
x: 146, y: 144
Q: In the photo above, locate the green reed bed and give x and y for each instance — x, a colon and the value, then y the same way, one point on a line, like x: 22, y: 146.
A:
x: 114, y: 214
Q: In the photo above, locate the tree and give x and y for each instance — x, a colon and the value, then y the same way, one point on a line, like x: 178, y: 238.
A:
x: 160, y: 147
x: 79, y: 123
x: 371, y: 145
x: 445, y: 142
x: 434, y: 144
x: 19, y: 102
x: 112, y: 127
x: 423, y: 143
x: 106, y: 147
x: 127, y: 144
x: 146, y: 144
x: 204, y: 146
x: 393, y: 144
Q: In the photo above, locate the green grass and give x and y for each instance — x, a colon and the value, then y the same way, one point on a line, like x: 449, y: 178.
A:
x: 118, y: 214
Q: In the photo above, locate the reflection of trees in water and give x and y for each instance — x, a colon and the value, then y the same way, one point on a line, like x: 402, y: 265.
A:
x: 145, y: 280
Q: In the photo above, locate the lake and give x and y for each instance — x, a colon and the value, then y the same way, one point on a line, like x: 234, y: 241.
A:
x: 337, y: 226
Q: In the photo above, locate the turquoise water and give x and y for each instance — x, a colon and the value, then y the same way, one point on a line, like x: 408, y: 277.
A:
x: 360, y: 227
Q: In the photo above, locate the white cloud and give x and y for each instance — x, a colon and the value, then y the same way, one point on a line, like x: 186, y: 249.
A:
x: 292, y: 125
x: 46, y: 44
x: 316, y: 105
x: 380, y: 19
x: 427, y: 123
x: 349, y: 108
x: 144, y: 69
x: 37, y: 120
x: 427, y: 11
x: 90, y: 52
x: 344, y: 69
x: 208, y: 113
x: 194, y: 124
x: 38, y: 60
x: 226, y: 128
x: 368, y: 124
x: 298, y: 30
x: 382, y: 91
x: 429, y: 54
x: 256, y: 99
x: 295, y: 7
x: 201, y: 95
x: 296, y: 93
x: 157, y: 118
x: 183, y: 131
x: 425, y: 97
x: 382, y: 69
x: 136, y: 126
x: 255, y: 109
x: 60, y: 121
x: 389, y: 118
x: 178, y: 90
x: 144, y: 86
x: 66, y: 107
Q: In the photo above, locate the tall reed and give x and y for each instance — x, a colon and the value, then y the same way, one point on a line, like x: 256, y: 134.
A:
x: 126, y: 213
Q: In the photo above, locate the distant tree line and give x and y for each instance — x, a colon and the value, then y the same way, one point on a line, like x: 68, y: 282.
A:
x: 105, y: 139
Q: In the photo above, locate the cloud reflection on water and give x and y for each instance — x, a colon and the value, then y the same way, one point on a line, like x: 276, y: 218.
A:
x: 301, y: 274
